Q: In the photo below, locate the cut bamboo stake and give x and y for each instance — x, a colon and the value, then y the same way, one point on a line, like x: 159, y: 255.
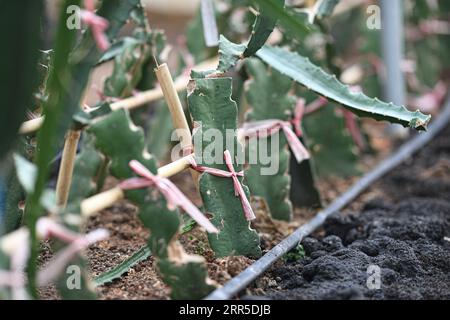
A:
x: 106, y: 199
x: 66, y: 167
x: 176, y: 110
x: 136, y: 101
x: 31, y: 125
x: 173, y: 101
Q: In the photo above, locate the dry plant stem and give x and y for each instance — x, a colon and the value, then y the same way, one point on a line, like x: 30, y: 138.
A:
x: 106, y: 199
x: 66, y: 167
x: 176, y: 110
x: 136, y: 101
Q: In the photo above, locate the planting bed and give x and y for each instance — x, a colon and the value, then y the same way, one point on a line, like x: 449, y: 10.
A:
x: 404, y: 230
x: 127, y: 235
x: 276, y: 118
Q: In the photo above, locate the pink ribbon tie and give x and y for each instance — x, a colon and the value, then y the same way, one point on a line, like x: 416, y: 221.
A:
x: 298, y: 116
x: 267, y: 128
x: 97, y: 24
x: 231, y: 173
x: 175, y: 198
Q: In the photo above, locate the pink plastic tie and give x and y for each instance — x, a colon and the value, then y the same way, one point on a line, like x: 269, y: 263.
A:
x: 298, y: 117
x: 238, y: 189
x: 97, y: 24
x: 175, y: 198
x: 267, y: 128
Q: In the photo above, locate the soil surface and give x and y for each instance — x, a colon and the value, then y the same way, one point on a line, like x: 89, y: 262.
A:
x: 413, y: 256
x: 401, y: 234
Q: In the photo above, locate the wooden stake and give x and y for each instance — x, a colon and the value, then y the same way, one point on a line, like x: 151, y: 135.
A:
x: 176, y: 110
x: 106, y: 199
x: 173, y: 101
x: 175, y: 167
x: 31, y: 126
x: 101, y: 201
x: 131, y: 103
x: 66, y: 167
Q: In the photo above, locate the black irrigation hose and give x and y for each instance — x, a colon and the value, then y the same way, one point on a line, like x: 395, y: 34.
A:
x: 240, y: 282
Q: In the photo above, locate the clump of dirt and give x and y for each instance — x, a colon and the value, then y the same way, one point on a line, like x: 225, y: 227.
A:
x: 402, y: 236
x: 405, y: 242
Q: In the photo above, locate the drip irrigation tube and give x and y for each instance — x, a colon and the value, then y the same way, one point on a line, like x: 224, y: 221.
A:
x: 241, y: 281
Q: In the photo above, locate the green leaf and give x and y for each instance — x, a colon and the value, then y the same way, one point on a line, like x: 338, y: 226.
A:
x: 188, y: 225
x: 230, y: 53
x: 141, y: 255
x: 286, y: 18
x: 264, y: 24
x: 265, y: 89
x: 309, y: 75
x: 210, y: 104
x: 18, y: 72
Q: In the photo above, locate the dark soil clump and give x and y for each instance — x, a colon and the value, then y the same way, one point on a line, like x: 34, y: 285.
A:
x: 403, y: 237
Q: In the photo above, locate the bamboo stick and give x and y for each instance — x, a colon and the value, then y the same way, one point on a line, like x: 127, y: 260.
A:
x: 66, y: 167
x: 173, y: 101
x: 175, y: 167
x: 176, y: 110
x: 136, y: 101
x: 31, y: 126
x: 101, y: 201
x: 106, y: 199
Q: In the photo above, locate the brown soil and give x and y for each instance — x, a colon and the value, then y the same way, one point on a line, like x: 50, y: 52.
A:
x: 127, y: 235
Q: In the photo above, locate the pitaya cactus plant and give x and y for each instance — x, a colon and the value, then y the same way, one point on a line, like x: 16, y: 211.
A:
x: 210, y: 106
x: 264, y: 89
x: 186, y: 275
